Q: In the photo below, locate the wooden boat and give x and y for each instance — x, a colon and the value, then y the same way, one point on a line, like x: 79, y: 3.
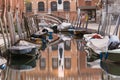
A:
x: 111, y: 68
x: 76, y: 34
x: 23, y: 47
x: 112, y: 55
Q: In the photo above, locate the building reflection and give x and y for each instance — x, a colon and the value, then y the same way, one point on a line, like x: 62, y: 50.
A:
x: 48, y: 65
x: 75, y: 65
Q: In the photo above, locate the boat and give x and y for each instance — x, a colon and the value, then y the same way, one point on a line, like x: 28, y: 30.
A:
x: 74, y: 33
x: 23, y: 47
x: 98, y: 45
x: 101, y: 47
x: 64, y: 25
x: 111, y: 68
x: 111, y: 55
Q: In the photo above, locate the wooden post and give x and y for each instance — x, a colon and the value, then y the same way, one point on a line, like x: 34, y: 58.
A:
x: 11, y: 28
x: 3, y: 33
x: 4, y: 23
x: 18, y: 26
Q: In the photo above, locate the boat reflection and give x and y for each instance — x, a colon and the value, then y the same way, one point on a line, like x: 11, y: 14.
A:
x: 111, y: 68
x: 22, y: 62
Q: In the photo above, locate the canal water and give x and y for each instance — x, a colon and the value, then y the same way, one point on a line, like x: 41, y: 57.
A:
x: 63, y: 61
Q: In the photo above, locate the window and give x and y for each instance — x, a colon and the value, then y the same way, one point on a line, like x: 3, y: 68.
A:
x: 67, y: 45
x: 41, y: 6
x: 67, y: 63
x: 66, y: 6
x: 42, y: 63
x: 54, y: 63
x: 28, y: 7
x: 54, y: 47
x: 53, y: 6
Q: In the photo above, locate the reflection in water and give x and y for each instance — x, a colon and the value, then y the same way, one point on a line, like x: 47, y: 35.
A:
x: 112, y: 69
x: 16, y: 65
x: 74, y: 61
x: 22, y: 62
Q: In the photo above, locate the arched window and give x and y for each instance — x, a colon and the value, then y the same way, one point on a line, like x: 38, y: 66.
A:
x: 28, y: 7
x: 53, y: 6
x: 66, y: 6
x: 41, y: 6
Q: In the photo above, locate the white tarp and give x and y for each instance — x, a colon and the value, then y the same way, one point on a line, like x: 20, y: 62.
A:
x: 98, y: 45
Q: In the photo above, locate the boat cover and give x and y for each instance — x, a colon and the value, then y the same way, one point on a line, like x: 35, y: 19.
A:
x: 98, y: 45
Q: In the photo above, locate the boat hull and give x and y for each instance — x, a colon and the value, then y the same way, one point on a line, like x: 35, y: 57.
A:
x: 113, y: 57
x: 110, y: 68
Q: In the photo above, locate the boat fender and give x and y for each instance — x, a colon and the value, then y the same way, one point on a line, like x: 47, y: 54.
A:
x: 101, y: 56
x: 106, y: 55
x: 3, y: 66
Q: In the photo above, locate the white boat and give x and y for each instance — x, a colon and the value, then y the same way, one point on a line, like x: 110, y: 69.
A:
x: 98, y: 45
x: 64, y: 25
x: 23, y: 47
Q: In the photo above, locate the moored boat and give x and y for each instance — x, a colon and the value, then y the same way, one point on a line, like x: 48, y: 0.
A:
x: 111, y: 55
x: 111, y: 68
x: 23, y: 47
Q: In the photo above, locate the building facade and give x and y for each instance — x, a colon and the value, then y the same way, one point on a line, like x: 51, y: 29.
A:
x: 13, y: 4
x: 90, y: 7
x: 63, y: 8
x: 50, y: 5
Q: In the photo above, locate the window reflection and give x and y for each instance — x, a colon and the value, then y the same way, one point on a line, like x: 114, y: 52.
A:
x: 54, y: 47
x: 67, y: 45
x: 59, y: 1
x: 68, y: 63
x: 42, y: 63
x: 54, y: 63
